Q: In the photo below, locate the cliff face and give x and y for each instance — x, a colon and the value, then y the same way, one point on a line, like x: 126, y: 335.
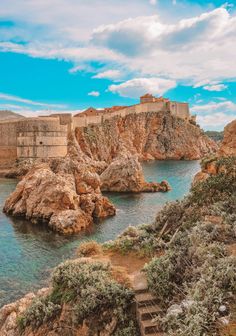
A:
x: 212, y: 165
x: 149, y: 135
x: 228, y: 146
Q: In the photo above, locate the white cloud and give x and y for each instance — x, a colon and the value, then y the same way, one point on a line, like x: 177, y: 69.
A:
x: 215, y: 115
x: 134, y: 88
x: 94, y: 93
x: 192, y: 49
x: 215, y: 87
x: 7, y: 97
x: 211, y: 85
x: 153, y: 2
x: 71, y: 20
x: 216, y: 121
x: 200, y: 48
x: 214, y: 107
x: 109, y: 74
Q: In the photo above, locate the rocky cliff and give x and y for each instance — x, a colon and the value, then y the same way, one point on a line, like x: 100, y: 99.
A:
x: 149, y: 135
x: 212, y: 165
x: 228, y: 146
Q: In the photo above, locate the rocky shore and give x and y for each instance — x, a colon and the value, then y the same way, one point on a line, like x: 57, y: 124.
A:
x: 192, y: 271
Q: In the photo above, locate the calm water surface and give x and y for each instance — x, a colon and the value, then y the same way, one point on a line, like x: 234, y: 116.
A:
x: 28, y: 252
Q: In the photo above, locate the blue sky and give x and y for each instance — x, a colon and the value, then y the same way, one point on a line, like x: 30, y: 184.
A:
x: 66, y: 55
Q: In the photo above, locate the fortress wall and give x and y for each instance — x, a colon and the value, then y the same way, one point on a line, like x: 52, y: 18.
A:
x: 180, y: 110
x: 8, y: 142
x: 94, y: 119
x: 41, y: 138
x: 79, y: 122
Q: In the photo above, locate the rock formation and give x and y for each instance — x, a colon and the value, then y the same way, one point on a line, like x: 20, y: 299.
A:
x: 209, y: 165
x: 125, y: 175
x: 149, y: 135
x: 228, y: 146
x: 68, y: 199
x: 10, y: 313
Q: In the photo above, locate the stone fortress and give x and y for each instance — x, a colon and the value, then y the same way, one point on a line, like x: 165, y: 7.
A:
x: 46, y: 137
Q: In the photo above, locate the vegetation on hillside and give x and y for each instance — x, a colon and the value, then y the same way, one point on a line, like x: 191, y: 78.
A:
x: 92, y: 297
x: 196, y: 273
x: 215, y: 135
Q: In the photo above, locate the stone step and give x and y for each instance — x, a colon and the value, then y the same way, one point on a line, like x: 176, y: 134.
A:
x: 147, y: 312
x: 156, y: 334
x: 141, y: 290
x: 145, y: 299
x: 149, y: 327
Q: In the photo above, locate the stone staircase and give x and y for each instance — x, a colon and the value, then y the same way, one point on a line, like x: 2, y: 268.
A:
x: 146, y: 307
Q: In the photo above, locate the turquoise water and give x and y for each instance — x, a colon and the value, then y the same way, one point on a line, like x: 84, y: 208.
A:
x: 28, y: 252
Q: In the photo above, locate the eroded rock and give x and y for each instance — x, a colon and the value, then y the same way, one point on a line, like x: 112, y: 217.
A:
x: 67, y: 202
x: 125, y: 175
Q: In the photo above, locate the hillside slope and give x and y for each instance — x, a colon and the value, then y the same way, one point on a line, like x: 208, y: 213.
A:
x: 9, y: 115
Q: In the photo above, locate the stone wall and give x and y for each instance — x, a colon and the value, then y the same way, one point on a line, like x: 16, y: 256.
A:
x: 46, y: 136
x: 41, y: 138
x: 178, y: 109
x: 8, y: 142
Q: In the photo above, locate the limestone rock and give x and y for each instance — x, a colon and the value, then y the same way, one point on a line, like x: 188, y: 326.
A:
x: 67, y: 202
x: 149, y: 135
x: 9, y: 313
x: 228, y: 146
x: 125, y: 175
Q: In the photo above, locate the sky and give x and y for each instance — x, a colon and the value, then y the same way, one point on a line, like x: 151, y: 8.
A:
x: 67, y: 55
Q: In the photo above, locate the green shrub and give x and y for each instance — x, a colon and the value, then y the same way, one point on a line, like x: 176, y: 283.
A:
x: 90, y: 291
x: 215, y: 188
x: 40, y: 311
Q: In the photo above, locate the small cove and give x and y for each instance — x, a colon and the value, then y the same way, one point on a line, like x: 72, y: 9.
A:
x: 28, y: 252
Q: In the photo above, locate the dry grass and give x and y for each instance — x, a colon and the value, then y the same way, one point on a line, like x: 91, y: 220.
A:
x: 89, y: 249
x: 120, y: 275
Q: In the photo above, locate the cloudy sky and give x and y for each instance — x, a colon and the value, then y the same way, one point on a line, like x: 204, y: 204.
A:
x: 66, y: 55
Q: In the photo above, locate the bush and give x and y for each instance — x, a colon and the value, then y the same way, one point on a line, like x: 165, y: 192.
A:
x: 88, y: 249
x: 90, y: 291
x: 41, y: 311
x: 214, y: 189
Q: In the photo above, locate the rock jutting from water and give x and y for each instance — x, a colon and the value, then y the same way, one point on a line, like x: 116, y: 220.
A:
x: 66, y: 194
x: 67, y: 201
x: 125, y: 175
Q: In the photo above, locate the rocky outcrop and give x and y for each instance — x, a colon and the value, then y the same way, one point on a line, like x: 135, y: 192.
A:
x: 10, y: 313
x: 212, y: 165
x: 68, y: 199
x: 149, y: 135
x: 125, y: 175
x: 228, y: 146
